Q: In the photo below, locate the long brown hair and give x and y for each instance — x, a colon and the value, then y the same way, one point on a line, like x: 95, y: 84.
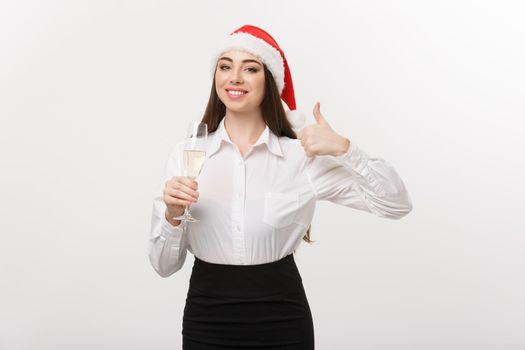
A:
x: 272, y: 111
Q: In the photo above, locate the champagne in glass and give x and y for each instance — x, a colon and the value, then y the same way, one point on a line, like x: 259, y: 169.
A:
x: 193, y: 162
x: 193, y: 158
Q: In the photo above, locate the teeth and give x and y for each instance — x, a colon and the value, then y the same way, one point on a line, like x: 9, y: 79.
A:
x: 238, y: 93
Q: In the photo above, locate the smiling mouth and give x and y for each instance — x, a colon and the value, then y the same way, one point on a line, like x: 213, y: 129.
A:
x: 236, y: 93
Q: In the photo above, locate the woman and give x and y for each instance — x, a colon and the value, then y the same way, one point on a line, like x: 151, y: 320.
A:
x: 255, y: 199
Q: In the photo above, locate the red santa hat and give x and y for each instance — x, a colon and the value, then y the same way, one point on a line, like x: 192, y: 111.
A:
x: 259, y: 43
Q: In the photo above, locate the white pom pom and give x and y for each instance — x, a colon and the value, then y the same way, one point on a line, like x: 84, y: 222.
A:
x: 296, y: 118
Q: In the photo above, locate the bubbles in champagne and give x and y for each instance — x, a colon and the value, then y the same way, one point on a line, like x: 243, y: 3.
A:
x: 193, y: 162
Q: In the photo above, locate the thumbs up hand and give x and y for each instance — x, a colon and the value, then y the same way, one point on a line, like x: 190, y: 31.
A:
x: 320, y: 138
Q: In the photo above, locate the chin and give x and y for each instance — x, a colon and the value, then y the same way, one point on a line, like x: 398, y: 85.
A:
x: 237, y: 108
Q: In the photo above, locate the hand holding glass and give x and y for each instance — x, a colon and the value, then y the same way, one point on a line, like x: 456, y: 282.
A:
x: 193, y: 158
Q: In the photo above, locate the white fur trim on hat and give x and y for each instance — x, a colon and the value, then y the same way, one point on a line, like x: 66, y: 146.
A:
x: 296, y: 118
x: 268, y: 54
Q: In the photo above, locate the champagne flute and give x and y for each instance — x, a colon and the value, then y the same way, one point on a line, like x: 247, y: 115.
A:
x: 193, y: 158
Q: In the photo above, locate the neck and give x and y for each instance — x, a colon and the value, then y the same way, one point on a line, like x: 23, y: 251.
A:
x: 244, y: 129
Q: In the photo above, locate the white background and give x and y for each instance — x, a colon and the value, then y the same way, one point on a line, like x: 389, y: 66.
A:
x: 94, y: 94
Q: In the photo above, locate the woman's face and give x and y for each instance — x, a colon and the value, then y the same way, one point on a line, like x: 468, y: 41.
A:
x: 239, y: 81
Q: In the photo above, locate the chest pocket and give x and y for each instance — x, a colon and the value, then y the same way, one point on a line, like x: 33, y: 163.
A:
x: 280, y: 209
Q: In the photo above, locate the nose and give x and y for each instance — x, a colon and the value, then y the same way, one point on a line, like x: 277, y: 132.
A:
x: 235, y: 78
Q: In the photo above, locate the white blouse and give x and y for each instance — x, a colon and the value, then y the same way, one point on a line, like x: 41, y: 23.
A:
x: 256, y: 209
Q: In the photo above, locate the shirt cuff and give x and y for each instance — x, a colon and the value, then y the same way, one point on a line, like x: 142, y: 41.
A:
x: 355, y: 158
x: 169, y: 231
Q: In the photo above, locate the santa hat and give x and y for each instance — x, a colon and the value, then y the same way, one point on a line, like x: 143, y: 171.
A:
x: 259, y: 43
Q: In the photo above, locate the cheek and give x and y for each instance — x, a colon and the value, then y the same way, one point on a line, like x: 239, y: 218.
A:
x: 261, y: 95
x: 218, y: 80
x: 221, y: 77
x: 260, y: 87
x: 219, y: 83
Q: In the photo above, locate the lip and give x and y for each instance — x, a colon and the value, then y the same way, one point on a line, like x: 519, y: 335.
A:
x: 235, y: 97
x: 235, y: 89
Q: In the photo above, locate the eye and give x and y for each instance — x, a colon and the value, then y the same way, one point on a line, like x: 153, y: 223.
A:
x: 223, y: 67
x: 252, y: 69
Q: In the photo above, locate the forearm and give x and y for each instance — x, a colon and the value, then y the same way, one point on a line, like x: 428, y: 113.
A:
x: 168, y: 241
x: 167, y: 254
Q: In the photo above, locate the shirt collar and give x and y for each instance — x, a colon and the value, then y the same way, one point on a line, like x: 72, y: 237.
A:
x: 267, y: 137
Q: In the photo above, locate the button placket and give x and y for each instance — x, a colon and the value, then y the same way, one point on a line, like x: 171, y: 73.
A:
x: 238, y: 211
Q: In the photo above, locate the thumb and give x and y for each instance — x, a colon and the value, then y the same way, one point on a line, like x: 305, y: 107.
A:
x: 318, y: 116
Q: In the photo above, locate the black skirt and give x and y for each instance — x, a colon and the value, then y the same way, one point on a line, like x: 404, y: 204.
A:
x: 260, y: 307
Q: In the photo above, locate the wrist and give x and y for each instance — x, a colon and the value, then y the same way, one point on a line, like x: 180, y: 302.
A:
x: 170, y: 214
x: 344, y: 146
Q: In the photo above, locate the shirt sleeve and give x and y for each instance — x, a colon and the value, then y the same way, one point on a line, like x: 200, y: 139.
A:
x: 167, y: 243
x: 357, y: 181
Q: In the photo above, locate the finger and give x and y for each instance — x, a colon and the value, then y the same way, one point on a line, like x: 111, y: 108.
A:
x: 178, y: 197
x: 317, y: 114
x: 175, y: 201
x: 303, y: 133
x: 172, y: 199
x: 186, y: 193
x: 187, y: 181
x: 176, y: 184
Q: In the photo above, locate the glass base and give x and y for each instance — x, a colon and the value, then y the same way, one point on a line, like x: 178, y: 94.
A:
x: 186, y: 217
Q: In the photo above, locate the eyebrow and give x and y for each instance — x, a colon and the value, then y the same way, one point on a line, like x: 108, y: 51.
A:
x: 243, y: 61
